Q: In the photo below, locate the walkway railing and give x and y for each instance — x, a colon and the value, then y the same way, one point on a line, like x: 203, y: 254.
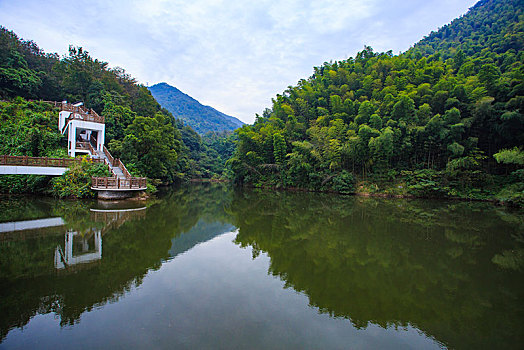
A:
x: 85, y: 146
x: 111, y: 183
x: 82, y: 113
x: 129, y: 182
x: 78, y: 112
x: 40, y: 161
x: 121, y: 165
x: 109, y: 156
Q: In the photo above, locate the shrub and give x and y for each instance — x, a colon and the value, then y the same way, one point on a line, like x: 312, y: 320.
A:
x: 76, y: 182
x: 343, y: 182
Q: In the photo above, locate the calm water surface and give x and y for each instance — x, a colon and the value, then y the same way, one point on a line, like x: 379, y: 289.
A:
x: 206, y: 267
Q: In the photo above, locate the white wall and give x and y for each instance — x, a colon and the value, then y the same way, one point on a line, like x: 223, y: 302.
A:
x: 31, y: 170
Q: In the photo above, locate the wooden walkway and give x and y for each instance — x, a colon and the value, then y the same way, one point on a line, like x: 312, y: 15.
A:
x: 121, y: 179
x: 129, y: 183
x: 39, y: 161
x: 97, y: 183
x: 78, y: 112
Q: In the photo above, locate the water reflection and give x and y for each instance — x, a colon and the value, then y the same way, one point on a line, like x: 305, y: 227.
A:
x: 85, y: 246
x: 82, y: 239
x: 441, y: 267
x: 88, y: 249
x: 33, y: 251
x: 447, y: 272
x: 23, y: 225
x: 35, y: 279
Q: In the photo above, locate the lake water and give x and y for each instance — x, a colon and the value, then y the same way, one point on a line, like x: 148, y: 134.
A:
x: 208, y: 267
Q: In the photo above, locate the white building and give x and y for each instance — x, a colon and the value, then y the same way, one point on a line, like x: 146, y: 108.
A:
x: 85, y: 129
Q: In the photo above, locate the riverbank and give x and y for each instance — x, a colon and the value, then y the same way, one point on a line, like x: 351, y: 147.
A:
x: 401, y: 188
x: 421, y: 190
x: 209, y: 180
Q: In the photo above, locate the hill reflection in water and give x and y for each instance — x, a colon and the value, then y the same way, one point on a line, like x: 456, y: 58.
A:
x: 451, y: 270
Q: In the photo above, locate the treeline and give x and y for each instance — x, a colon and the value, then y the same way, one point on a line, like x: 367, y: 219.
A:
x: 427, y: 122
x: 148, y: 139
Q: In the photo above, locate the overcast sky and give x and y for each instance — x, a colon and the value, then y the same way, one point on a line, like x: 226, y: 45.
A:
x: 232, y: 55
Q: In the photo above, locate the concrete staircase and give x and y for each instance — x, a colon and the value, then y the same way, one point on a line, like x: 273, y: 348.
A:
x: 117, y: 171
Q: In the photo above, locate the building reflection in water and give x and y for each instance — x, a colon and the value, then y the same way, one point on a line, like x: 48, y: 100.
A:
x: 80, y: 248
x: 82, y: 240
x: 85, y: 246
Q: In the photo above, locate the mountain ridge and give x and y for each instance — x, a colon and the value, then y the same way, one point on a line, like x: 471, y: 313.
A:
x: 200, y: 117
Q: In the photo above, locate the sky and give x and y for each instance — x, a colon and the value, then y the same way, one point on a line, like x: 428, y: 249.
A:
x: 232, y: 55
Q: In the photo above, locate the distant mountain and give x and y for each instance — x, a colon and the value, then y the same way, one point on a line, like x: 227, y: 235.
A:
x: 202, y: 232
x: 201, y: 118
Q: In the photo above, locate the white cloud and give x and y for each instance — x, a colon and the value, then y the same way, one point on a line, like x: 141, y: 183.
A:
x: 232, y: 55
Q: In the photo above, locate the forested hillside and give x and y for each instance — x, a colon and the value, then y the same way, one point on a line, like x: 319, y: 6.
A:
x: 443, y: 119
x: 148, y: 139
x: 494, y: 26
x: 200, y: 118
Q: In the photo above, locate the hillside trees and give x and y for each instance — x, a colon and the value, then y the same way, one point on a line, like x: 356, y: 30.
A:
x: 440, y: 110
x: 147, y: 137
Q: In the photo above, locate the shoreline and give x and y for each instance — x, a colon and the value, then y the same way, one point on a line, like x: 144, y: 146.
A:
x: 208, y: 180
x: 494, y: 201
x: 146, y: 196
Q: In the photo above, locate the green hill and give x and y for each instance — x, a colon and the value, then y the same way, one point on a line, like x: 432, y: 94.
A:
x: 434, y: 121
x: 490, y: 26
x: 199, y: 117
x: 148, y: 139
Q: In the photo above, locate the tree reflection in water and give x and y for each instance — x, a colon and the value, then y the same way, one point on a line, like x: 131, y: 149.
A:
x: 451, y: 269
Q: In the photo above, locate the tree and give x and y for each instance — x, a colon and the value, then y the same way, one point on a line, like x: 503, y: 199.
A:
x: 404, y: 110
x: 510, y: 156
x: 489, y: 75
x: 150, y: 147
x: 279, y: 148
x: 365, y: 111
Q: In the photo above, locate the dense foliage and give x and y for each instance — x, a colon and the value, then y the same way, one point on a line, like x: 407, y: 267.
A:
x: 76, y: 181
x: 492, y: 25
x: 147, y: 138
x: 201, y: 118
x: 28, y: 129
x: 426, y: 122
x: 206, y: 155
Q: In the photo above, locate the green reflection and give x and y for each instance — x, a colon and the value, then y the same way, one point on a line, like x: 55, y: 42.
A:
x: 133, y: 243
x: 451, y: 269
x: 442, y: 267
